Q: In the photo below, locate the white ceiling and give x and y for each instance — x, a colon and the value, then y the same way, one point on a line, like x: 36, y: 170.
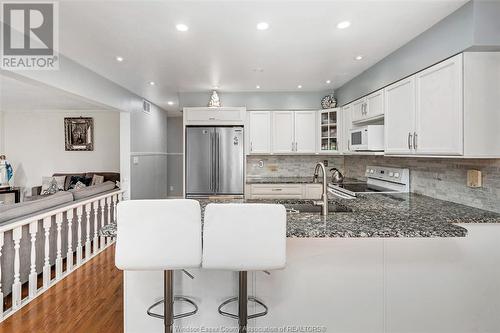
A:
x: 223, y: 46
x: 21, y: 96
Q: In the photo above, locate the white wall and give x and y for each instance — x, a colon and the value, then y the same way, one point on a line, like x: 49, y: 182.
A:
x: 34, y: 144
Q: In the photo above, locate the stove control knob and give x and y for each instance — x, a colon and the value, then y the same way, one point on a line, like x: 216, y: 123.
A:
x: 371, y: 171
x: 396, y: 175
x: 391, y: 174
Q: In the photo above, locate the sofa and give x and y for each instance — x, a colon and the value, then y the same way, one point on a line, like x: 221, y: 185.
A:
x: 108, y: 176
x: 20, y: 211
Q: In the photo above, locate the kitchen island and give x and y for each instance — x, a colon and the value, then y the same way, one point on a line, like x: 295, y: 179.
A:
x: 379, y: 263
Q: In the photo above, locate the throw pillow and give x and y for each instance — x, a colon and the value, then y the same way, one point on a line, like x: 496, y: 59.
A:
x: 75, y: 179
x: 47, y: 181
x: 52, y: 187
x: 96, y: 179
x: 79, y: 185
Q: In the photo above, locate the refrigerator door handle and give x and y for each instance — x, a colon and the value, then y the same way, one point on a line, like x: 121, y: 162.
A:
x: 217, y: 162
x: 210, y: 166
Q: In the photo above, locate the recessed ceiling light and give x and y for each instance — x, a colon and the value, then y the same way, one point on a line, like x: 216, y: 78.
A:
x: 170, y: 103
x: 262, y: 26
x: 216, y: 88
x: 359, y: 57
x: 152, y: 83
x: 343, y: 24
x: 299, y: 86
x: 257, y: 86
x: 328, y: 81
x: 119, y: 59
x: 182, y: 27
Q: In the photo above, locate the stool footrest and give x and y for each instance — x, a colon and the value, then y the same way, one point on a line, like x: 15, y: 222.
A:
x: 250, y: 316
x: 177, y: 316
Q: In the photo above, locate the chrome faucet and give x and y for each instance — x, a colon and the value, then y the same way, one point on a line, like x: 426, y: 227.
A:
x: 324, y: 197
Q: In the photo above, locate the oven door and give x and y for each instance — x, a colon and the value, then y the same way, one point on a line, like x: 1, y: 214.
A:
x: 359, y: 139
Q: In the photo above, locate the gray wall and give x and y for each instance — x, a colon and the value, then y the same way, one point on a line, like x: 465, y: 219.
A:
x: 258, y: 100
x: 148, y: 141
x: 440, y: 178
x: 448, y: 37
x: 175, y: 157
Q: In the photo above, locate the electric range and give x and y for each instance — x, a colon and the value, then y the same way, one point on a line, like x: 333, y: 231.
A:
x: 378, y: 180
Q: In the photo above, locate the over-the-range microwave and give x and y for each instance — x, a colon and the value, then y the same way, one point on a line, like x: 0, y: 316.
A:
x: 367, y: 138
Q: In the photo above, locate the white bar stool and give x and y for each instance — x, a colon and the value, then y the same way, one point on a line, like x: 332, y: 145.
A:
x: 160, y: 235
x: 244, y: 237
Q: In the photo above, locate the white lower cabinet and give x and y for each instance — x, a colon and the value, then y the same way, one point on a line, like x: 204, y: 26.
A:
x: 284, y: 191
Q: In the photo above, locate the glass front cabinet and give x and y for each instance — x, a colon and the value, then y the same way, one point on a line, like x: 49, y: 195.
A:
x: 330, y: 130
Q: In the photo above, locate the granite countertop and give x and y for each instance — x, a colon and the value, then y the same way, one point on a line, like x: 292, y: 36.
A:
x: 374, y: 215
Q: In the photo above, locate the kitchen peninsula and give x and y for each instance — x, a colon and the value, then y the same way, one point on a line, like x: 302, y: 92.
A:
x: 367, y: 258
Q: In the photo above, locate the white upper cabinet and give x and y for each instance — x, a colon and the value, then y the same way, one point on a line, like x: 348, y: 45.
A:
x: 305, y: 131
x: 358, y: 108
x: 374, y: 106
x: 259, y: 132
x: 345, y: 139
x: 214, y: 116
x: 439, y: 109
x: 400, y: 116
x: 283, y: 140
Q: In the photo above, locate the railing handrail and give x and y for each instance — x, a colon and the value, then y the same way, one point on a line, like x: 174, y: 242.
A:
x: 62, y: 209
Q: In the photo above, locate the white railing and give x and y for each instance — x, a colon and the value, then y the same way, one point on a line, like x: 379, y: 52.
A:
x: 101, y: 209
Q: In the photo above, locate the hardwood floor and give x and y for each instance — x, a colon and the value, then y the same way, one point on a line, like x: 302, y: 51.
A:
x: 89, y: 300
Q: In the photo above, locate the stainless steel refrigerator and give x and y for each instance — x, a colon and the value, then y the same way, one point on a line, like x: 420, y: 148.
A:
x: 214, y: 161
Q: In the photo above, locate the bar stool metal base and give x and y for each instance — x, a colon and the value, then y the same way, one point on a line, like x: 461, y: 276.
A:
x: 168, y: 300
x: 242, y: 300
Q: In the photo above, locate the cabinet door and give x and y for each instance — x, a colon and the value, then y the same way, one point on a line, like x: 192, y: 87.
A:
x: 305, y: 131
x: 282, y: 134
x: 375, y: 104
x: 400, y: 117
x: 259, y: 136
x: 345, y: 138
x: 358, y: 109
x: 439, y: 113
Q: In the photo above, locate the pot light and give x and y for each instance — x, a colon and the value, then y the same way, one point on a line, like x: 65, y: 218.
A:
x: 299, y: 86
x: 182, y: 27
x: 359, y: 57
x: 262, y: 26
x: 343, y: 24
x: 170, y: 103
x: 257, y: 86
x: 119, y: 59
x: 328, y: 81
x: 215, y: 88
x: 152, y: 83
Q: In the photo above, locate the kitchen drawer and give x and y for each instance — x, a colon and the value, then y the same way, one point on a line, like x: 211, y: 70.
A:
x: 313, y: 191
x: 277, y: 189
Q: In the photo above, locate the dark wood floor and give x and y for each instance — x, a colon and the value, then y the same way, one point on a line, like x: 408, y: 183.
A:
x: 88, y: 300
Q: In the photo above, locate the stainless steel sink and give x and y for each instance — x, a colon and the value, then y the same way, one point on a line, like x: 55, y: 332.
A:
x: 309, y: 208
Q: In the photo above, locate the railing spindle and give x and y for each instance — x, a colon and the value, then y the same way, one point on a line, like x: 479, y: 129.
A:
x: 33, y: 229
x: 59, y: 260
x: 103, y: 222
x: 79, y: 213
x: 17, y: 233
x: 88, y: 208
x: 69, y: 253
x: 46, y: 266
x: 95, y: 241
x: 108, y: 221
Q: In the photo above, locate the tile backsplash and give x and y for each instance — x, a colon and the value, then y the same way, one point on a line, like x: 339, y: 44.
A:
x: 441, y: 178
x: 289, y: 166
